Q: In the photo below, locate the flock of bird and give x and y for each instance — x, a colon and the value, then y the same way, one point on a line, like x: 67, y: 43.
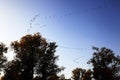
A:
x: 73, y: 13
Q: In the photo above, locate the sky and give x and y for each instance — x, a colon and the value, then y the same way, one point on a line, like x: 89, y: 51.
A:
x: 75, y: 25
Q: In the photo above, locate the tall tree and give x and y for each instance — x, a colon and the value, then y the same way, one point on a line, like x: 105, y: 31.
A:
x: 3, y: 59
x: 34, y: 56
x: 106, y: 66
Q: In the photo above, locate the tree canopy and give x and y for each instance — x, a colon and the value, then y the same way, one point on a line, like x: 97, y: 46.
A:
x: 106, y: 66
x: 34, y: 57
x: 81, y: 74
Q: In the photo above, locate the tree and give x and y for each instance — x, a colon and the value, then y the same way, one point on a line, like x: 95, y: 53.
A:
x: 34, y: 56
x: 46, y: 67
x: 78, y: 73
x: 106, y: 66
x: 3, y: 59
x: 87, y: 75
x: 62, y: 77
x: 12, y: 71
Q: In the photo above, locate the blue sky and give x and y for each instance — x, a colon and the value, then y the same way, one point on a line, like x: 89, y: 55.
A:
x: 75, y: 25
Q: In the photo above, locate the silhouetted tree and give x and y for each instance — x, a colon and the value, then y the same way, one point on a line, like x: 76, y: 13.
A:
x: 13, y: 71
x: 3, y: 59
x: 78, y: 73
x: 87, y: 75
x: 34, y: 56
x: 106, y: 66
x: 46, y: 67
x: 62, y: 77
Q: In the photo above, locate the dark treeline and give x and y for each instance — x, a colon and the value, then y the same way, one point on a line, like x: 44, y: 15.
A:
x: 35, y: 59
